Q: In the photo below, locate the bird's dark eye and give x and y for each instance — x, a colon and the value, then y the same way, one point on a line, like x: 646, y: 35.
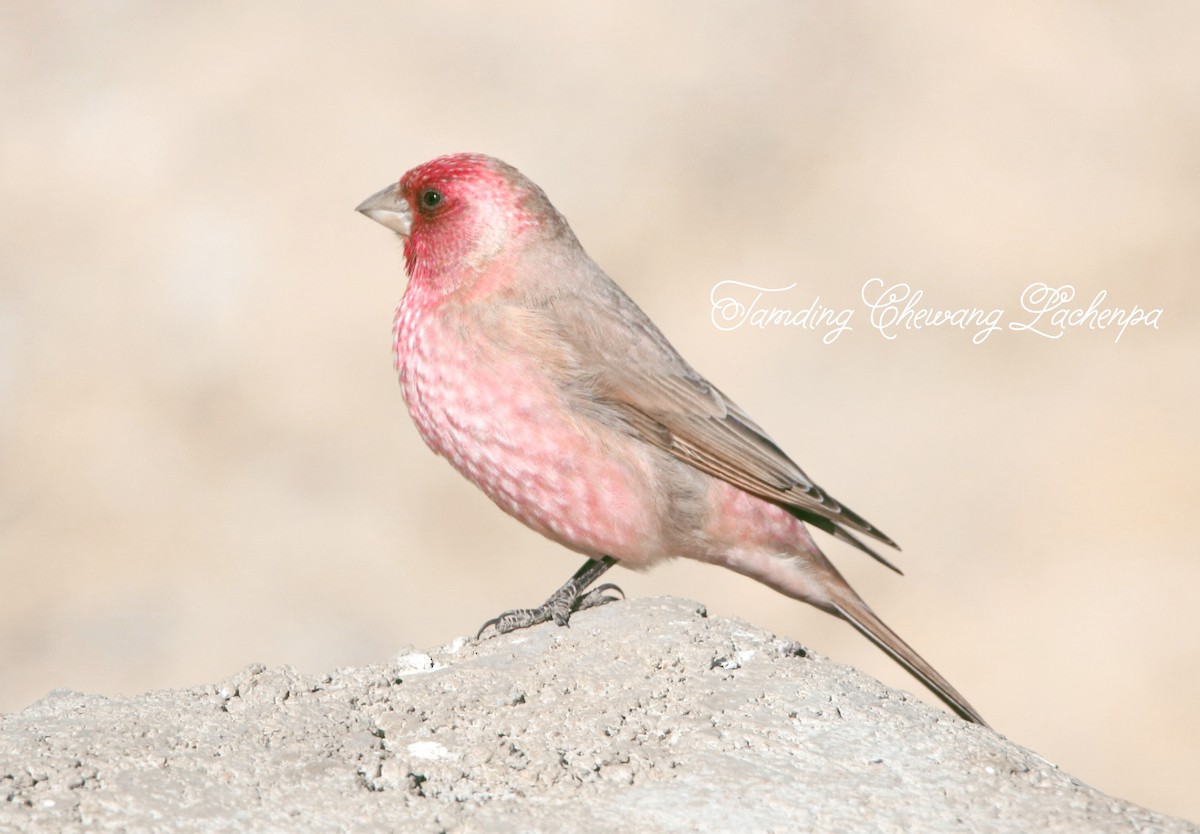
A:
x: 431, y: 198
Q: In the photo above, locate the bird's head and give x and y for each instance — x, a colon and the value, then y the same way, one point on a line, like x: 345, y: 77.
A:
x: 457, y: 213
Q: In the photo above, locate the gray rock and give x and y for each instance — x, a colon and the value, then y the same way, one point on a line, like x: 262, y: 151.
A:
x: 642, y: 716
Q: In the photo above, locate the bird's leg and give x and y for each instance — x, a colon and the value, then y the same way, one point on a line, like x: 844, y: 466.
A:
x: 563, y: 602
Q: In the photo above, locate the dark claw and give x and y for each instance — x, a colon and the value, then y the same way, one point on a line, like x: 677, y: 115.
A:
x: 494, y: 621
x: 568, y: 598
x: 517, y: 618
x: 596, y: 597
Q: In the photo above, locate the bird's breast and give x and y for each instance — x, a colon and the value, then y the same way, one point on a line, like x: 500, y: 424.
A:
x: 485, y: 402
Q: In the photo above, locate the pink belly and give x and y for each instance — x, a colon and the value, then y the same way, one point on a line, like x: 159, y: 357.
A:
x: 502, y: 424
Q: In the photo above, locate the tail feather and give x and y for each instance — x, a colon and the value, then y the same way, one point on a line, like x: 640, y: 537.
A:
x: 842, y: 534
x: 807, y: 575
x: 874, y: 629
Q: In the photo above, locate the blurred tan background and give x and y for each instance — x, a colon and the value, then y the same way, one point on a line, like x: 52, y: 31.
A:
x: 205, y: 460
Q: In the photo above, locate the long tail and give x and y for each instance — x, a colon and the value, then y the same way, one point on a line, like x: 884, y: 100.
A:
x: 807, y: 575
x: 853, y: 610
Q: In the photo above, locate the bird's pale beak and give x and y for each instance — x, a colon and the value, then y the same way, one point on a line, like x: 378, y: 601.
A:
x: 389, y: 208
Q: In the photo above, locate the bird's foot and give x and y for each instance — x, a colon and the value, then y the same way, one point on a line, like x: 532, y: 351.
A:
x: 559, y: 608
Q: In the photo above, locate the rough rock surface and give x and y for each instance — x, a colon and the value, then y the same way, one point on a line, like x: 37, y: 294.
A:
x: 643, y: 716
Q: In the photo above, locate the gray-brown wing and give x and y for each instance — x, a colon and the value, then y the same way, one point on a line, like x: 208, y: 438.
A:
x: 634, y: 373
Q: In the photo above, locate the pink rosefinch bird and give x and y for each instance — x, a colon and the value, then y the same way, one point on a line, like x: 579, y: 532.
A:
x: 541, y: 381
